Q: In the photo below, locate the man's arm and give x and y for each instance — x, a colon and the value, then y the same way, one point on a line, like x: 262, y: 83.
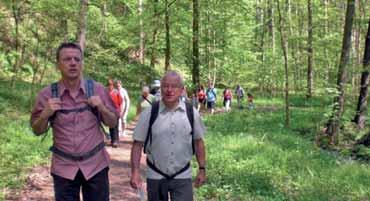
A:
x: 200, y: 154
x: 40, y: 125
x: 136, y: 150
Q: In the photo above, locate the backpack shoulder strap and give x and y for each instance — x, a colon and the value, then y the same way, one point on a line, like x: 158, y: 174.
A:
x: 54, y: 90
x: 89, y: 86
x: 54, y: 94
x: 190, y: 115
x: 153, y: 116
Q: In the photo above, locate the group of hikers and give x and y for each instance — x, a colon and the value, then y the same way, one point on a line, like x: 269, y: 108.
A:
x: 207, y: 98
x: 169, y: 131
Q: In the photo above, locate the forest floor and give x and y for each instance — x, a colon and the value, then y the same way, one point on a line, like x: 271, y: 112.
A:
x: 39, y: 185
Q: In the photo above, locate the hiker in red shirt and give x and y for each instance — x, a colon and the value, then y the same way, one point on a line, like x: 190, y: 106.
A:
x: 117, y: 100
x: 227, y: 99
x: 201, y: 97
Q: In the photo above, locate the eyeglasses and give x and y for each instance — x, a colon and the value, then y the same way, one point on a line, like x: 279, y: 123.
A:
x: 171, y: 86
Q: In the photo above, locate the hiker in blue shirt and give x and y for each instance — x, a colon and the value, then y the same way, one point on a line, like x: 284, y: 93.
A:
x: 211, y: 98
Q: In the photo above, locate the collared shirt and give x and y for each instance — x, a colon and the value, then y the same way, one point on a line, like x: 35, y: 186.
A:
x: 74, y: 132
x: 171, y: 148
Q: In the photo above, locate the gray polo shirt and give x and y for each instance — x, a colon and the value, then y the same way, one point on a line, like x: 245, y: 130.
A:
x: 171, y: 148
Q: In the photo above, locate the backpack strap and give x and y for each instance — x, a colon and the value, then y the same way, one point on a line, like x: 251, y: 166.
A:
x: 153, y: 116
x: 54, y: 90
x: 190, y: 115
x: 89, y: 86
x: 54, y: 94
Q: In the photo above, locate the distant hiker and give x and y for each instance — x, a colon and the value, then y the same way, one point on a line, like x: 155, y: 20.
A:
x: 201, y: 97
x: 117, y: 100
x: 250, y: 101
x: 145, y: 100
x: 124, y: 107
x: 75, y: 108
x: 155, y: 89
x: 239, y: 92
x: 170, y: 133
x: 184, y: 95
x: 194, y: 99
x: 227, y: 99
x: 211, y: 98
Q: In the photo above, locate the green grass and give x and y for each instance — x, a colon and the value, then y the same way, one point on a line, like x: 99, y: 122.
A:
x: 20, y: 149
x: 251, y: 156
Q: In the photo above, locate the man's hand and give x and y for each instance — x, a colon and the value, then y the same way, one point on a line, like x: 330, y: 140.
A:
x: 53, y: 105
x: 95, y: 101
x: 201, y: 178
x: 135, y: 180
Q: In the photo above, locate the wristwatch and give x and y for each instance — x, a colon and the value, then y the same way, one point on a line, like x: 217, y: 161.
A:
x: 202, y: 168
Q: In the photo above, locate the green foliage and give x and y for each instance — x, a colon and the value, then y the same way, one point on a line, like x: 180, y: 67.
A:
x: 20, y: 149
x: 248, y: 160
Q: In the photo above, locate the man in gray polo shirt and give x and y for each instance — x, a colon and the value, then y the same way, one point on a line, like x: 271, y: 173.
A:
x: 171, y: 147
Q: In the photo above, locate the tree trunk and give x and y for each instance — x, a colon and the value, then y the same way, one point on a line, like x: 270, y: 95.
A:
x: 309, y: 51
x: 168, y: 42
x: 82, y: 24
x: 362, y: 99
x: 271, y: 30
x: 284, y: 46
x: 196, y: 80
x: 155, y: 33
x: 15, y: 13
x: 326, y: 31
x: 335, y: 120
x: 142, y: 34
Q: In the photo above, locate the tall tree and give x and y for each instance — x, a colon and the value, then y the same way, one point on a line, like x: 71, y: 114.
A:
x: 335, y: 120
x: 271, y: 30
x: 195, y: 72
x: 155, y: 33
x: 284, y: 45
x: 168, y: 41
x: 362, y: 99
x: 142, y: 34
x: 16, y: 14
x: 82, y: 23
x: 309, y: 50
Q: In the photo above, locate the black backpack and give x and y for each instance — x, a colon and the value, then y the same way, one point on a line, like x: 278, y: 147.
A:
x: 153, y: 116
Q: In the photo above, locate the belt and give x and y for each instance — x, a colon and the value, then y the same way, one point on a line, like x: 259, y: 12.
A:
x: 78, y: 157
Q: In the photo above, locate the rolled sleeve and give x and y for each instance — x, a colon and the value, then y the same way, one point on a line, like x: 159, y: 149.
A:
x: 199, y: 128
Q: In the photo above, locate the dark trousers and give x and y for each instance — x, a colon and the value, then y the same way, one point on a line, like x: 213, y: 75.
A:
x: 95, y: 189
x: 179, y: 189
x: 114, y: 137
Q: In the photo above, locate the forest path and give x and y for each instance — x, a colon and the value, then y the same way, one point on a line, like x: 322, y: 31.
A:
x: 39, y: 183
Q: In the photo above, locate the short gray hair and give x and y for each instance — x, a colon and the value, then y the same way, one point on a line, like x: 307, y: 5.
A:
x: 172, y: 73
x: 145, y: 89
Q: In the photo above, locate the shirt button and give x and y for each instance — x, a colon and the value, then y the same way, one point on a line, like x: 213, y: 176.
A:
x: 172, y: 142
